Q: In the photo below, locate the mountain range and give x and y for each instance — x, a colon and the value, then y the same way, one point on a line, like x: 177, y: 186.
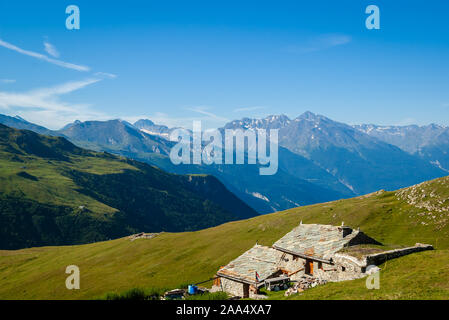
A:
x: 55, y: 193
x: 361, y: 162
x: 319, y: 159
x: 430, y: 143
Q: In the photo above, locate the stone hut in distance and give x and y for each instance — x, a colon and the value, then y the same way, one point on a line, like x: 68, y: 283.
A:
x: 309, y: 250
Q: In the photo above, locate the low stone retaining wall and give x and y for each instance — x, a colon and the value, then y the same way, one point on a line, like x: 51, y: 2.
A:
x: 380, y: 258
x: 355, y: 268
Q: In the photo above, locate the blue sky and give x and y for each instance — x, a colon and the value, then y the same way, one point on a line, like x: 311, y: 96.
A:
x: 216, y: 61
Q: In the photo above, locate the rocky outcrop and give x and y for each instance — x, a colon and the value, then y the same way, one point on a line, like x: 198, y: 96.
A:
x: 142, y: 235
x: 428, y: 195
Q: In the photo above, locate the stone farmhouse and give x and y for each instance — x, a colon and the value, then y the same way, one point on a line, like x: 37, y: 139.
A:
x: 315, y: 251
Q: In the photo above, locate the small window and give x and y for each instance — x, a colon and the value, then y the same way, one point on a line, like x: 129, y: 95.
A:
x: 343, y: 269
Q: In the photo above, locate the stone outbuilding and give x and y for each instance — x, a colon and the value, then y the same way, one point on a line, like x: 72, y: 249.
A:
x: 310, y: 251
x: 245, y: 275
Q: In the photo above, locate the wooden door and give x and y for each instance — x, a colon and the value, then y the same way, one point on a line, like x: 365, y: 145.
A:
x: 245, y: 290
x: 309, y: 267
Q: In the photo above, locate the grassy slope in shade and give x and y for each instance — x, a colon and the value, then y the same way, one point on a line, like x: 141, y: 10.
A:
x: 172, y: 259
x: 54, y: 193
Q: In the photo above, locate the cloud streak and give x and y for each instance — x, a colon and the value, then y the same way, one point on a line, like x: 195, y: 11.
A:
x: 245, y: 109
x: 51, y: 49
x: 323, y: 42
x: 105, y: 75
x: 208, y: 114
x: 7, y: 81
x: 44, y: 104
x: 43, y: 57
x: 208, y: 119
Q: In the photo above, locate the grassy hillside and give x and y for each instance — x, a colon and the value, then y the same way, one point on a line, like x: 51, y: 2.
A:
x: 172, y: 259
x: 54, y: 193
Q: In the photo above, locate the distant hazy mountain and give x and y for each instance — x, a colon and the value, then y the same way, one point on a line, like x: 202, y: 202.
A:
x: 115, y: 136
x: 20, y: 123
x: 150, y: 127
x: 361, y: 162
x: 54, y: 193
x: 270, y: 122
x: 409, y: 138
x: 430, y: 143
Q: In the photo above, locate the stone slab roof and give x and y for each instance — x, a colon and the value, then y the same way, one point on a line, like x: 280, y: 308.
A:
x: 260, y: 259
x: 315, y: 240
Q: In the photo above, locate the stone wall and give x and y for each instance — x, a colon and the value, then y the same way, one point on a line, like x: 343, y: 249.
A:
x: 344, y: 268
x: 295, y: 266
x: 233, y: 287
x: 350, y: 268
x: 379, y: 258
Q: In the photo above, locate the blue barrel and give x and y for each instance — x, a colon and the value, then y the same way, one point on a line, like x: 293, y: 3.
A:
x: 192, y: 289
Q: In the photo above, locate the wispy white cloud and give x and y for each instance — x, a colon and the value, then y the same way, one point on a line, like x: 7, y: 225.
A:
x: 204, y: 111
x: 51, y: 49
x: 105, y: 75
x: 208, y: 119
x: 406, y: 122
x: 43, y: 57
x: 45, y: 107
x: 246, y: 109
x: 320, y: 43
x: 63, y: 88
x: 335, y: 40
x: 7, y: 81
